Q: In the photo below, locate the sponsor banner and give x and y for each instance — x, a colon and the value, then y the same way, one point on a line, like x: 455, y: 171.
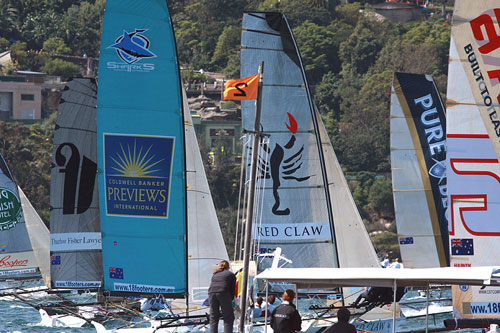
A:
x: 426, y: 119
x: 10, y: 209
x: 18, y: 272
x: 476, y: 39
x: 296, y: 231
x: 75, y: 241
x: 17, y: 260
x: 137, y: 174
x: 482, y: 308
x: 142, y: 288
x: 77, y: 284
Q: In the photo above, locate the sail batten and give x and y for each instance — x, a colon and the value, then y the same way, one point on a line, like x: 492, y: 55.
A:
x: 473, y: 150
x: 307, y: 208
x: 418, y: 154
x: 141, y: 152
x: 76, y: 260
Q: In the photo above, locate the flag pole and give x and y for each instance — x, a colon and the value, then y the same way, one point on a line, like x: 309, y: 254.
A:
x: 251, y: 193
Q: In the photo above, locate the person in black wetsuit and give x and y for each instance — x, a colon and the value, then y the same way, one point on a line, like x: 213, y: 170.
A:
x: 285, y: 318
x: 220, y: 295
x: 343, y: 326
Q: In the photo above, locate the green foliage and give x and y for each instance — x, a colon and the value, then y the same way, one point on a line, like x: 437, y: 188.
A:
x: 318, y: 48
x: 4, y: 44
x: 56, y: 45
x: 61, y: 68
x: 227, y: 45
x: 387, y: 242
x: 380, y: 195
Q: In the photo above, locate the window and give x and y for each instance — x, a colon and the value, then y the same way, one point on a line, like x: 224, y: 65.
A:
x: 27, y: 97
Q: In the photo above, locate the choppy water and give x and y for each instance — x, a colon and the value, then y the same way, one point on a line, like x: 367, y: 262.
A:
x: 16, y: 317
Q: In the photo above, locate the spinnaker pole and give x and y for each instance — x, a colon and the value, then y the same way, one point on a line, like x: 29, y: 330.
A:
x: 250, y: 206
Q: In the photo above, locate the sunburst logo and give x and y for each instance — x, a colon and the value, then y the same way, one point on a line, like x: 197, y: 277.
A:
x: 138, y: 174
x: 133, y: 163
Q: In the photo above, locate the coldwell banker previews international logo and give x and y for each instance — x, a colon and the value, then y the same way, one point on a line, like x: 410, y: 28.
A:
x: 137, y: 173
x: 132, y: 47
x: 10, y: 209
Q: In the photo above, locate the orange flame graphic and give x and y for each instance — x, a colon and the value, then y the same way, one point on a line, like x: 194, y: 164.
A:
x: 293, y: 124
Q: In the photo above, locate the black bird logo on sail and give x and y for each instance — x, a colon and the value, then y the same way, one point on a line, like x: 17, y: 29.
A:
x: 284, y: 165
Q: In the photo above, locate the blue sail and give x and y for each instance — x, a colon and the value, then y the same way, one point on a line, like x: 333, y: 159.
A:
x: 141, y: 157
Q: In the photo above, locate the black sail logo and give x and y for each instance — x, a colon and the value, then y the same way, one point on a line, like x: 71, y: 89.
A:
x: 284, y: 163
x: 84, y: 180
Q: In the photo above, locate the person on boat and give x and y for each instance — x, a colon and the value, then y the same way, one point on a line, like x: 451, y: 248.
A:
x: 285, y: 318
x: 155, y: 304
x: 269, y: 305
x: 220, y: 295
x: 396, y: 264
x: 257, y: 310
x: 363, y: 296
x: 385, y: 262
x: 343, y: 326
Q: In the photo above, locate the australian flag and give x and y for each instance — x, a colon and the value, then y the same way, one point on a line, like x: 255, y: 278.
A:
x: 116, y: 273
x: 405, y: 240
x: 462, y: 247
x: 55, y: 260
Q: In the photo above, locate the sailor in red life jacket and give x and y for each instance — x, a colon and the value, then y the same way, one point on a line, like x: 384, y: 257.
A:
x: 285, y: 318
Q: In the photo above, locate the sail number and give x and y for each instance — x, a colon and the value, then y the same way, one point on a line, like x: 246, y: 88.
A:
x: 489, y: 26
x: 240, y: 87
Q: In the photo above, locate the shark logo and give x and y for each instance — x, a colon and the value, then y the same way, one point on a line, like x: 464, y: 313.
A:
x: 132, y: 47
x: 283, y: 166
x: 438, y: 170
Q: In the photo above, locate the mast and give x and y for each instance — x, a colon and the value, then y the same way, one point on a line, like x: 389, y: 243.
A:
x: 251, y: 196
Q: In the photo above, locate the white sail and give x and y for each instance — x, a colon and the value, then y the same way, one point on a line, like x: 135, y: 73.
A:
x: 205, y: 244
x: 39, y: 237
x: 474, y: 171
x: 354, y: 246
x: 418, y: 155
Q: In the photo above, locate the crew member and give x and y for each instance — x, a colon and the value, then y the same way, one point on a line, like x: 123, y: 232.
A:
x: 285, y: 318
x: 343, y: 326
x: 220, y: 294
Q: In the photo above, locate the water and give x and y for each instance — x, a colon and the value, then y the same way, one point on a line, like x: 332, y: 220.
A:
x: 16, y: 317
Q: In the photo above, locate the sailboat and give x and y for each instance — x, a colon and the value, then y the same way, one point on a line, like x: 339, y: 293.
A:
x: 473, y: 155
x: 418, y: 157
x: 75, y: 240
x: 158, y: 221
x: 304, y: 206
x: 23, y: 239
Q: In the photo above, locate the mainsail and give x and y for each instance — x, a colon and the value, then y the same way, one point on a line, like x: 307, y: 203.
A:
x: 75, y: 239
x: 205, y: 243
x: 418, y: 157
x: 304, y: 199
x: 474, y: 170
x: 140, y: 137
x: 17, y: 259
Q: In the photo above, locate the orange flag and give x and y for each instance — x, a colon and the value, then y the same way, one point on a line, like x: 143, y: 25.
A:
x: 242, y: 89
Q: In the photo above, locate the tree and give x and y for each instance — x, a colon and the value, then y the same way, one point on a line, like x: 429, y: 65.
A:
x: 56, y: 45
x: 318, y: 50
x: 227, y: 45
x: 61, y: 68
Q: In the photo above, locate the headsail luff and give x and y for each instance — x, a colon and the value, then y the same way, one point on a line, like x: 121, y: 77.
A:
x: 474, y: 170
x: 205, y: 243
x: 298, y: 215
x: 76, y: 259
x: 418, y: 155
x: 17, y: 259
x: 141, y: 152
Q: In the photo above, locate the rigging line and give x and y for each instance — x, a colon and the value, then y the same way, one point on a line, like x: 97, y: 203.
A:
x: 76, y: 129
x: 246, y: 47
x: 257, y: 16
x: 90, y: 106
x: 261, y: 214
x: 242, y: 166
x: 261, y: 32
x: 284, y: 85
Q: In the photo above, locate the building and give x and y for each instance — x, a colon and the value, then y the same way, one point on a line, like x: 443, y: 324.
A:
x: 19, y: 99
x: 398, y: 12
